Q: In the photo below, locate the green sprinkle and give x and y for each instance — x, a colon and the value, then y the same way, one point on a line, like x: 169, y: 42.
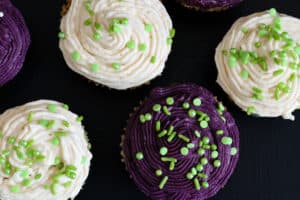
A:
x: 171, y: 137
x: 66, y: 124
x: 190, y: 145
x: 43, y: 122
x: 114, y: 28
x: 170, y: 101
x: 20, y: 155
x: 232, y: 61
x: 116, y: 66
x: 214, y: 154
x: 199, y: 167
x: 97, y: 35
x: 205, y: 184
x: 61, y: 35
x: 245, y: 30
x: 233, y: 151
x: 217, y: 163
x: 142, y: 119
x: 197, y: 102
x: 157, y: 125
x: 273, y: 12
x: 163, y: 151
x: 197, y: 184
x: 94, y: 67
x: 293, y: 77
x: 55, y: 141
x: 189, y: 176
x: 172, y: 166
x: 24, y: 173
x: 169, y: 41
x: 76, y: 56
x: 257, y: 44
x: 170, y: 130
x: 297, y: 49
x: 156, y: 108
x: 142, y: 47
x: 148, y: 116
x: 83, y: 160
x: 139, y: 156
x: 201, y: 152
x: 15, y: 189
x: 226, y: 140
x: 124, y: 21
x: 172, y: 33
x: 184, y: 151
x: 278, y: 72
x: 52, y: 108
x: 11, y: 140
x: 163, y: 182
x: 53, y: 187
x: 1, y: 134
x: 219, y: 132
x: 162, y: 133
x: 57, y: 161
x: 37, y: 176
x: 166, y: 110
x: 30, y: 116
x: 26, y: 182
x: 213, y: 147
x: 66, y: 107
x: 192, y: 113
x: 79, y: 118
x: 197, y: 133
x: 5, y: 152
x: 130, y: 44
x: 184, y: 138
x: 204, y: 161
x: 67, y: 184
x: 250, y: 110
x: 158, y: 172
x: 148, y: 27
x: 97, y: 26
x: 244, y: 74
x: 205, y: 140
x: 168, y: 159
x: 88, y: 22
x: 186, y: 105
x: 153, y: 59
x: 203, y: 124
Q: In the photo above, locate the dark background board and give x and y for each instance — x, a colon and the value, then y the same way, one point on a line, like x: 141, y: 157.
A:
x: 269, y: 164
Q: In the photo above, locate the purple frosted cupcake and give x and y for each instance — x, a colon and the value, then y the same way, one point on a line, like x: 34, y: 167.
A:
x: 210, y: 5
x: 180, y: 144
x: 14, y: 41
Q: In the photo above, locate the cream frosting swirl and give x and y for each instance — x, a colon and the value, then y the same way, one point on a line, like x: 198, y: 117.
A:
x: 258, y: 62
x: 120, y: 44
x: 43, y: 152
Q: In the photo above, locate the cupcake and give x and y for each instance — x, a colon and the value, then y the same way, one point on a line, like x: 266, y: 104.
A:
x: 180, y: 144
x: 14, y: 41
x: 119, y: 44
x: 258, y: 62
x: 210, y: 5
x: 43, y: 152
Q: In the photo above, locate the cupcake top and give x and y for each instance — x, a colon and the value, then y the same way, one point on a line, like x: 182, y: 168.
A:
x: 120, y: 44
x: 181, y: 144
x: 210, y: 5
x: 258, y: 63
x: 43, y: 152
x: 14, y: 41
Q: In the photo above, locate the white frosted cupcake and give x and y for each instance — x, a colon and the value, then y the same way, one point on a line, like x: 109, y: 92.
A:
x: 119, y: 44
x: 258, y: 63
x: 43, y: 152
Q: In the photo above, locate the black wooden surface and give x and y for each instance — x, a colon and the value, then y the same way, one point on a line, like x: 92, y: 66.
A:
x: 269, y: 165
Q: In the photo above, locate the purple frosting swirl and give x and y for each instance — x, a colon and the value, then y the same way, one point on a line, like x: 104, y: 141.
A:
x: 144, y: 138
x: 14, y: 41
x: 210, y: 4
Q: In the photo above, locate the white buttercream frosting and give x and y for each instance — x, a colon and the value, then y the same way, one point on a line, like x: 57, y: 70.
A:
x: 245, y: 34
x: 97, y: 56
x: 40, y: 122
